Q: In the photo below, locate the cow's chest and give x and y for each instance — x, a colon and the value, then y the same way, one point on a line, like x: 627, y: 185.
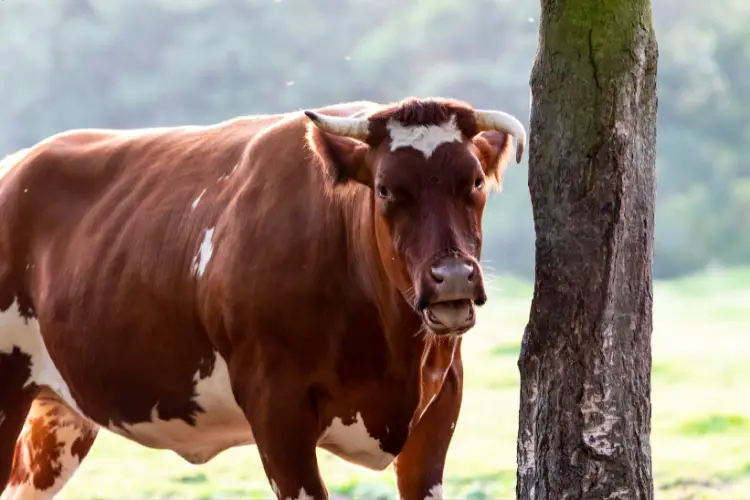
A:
x: 350, y: 438
x: 369, y: 424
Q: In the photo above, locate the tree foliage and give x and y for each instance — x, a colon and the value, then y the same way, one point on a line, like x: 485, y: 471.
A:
x: 134, y: 63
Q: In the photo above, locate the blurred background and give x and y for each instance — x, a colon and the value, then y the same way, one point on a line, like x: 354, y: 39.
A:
x: 135, y: 63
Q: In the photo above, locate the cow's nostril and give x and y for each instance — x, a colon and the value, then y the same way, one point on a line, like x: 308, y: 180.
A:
x: 469, y: 272
x: 438, y: 273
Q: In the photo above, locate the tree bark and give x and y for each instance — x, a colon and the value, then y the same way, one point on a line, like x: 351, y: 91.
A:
x: 585, y: 362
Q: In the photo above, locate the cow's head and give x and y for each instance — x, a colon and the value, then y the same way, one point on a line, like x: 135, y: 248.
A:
x: 428, y: 164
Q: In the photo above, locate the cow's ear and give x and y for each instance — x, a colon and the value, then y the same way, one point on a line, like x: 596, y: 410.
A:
x: 493, y: 150
x: 344, y: 158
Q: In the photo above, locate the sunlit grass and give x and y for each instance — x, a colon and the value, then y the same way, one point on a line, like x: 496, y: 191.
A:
x: 700, y: 424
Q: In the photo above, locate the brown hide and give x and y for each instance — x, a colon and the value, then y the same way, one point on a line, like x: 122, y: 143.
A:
x: 255, y: 281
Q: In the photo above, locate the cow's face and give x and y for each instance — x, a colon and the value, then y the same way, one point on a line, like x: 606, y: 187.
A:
x: 429, y: 166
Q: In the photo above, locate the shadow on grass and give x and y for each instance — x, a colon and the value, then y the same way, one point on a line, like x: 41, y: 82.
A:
x: 196, y: 478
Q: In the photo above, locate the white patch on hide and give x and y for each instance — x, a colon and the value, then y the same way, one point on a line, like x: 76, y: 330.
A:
x: 275, y: 488
x: 436, y: 493
x: 220, y: 426
x: 204, y: 253
x: 301, y: 496
x: 17, y: 331
x: 355, y: 444
x: 424, y: 138
x: 198, y: 199
x: 66, y: 431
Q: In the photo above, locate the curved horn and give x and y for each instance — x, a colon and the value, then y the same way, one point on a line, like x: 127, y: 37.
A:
x: 356, y: 128
x: 502, y: 122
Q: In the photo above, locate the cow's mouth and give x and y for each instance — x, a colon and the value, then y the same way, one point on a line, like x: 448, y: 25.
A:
x: 452, y: 317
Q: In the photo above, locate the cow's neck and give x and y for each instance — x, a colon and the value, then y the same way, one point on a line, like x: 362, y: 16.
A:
x: 400, y: 322
x: 423, y: 358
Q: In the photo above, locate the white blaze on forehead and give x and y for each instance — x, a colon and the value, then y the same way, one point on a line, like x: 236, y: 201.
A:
x: 424, y: 138
x: 204, y: 253
x: 354, y: 443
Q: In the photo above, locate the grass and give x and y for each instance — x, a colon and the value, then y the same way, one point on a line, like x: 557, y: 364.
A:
x: 700, y: 423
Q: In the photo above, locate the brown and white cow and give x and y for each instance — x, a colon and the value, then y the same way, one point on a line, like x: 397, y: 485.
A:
x: 293, y: 281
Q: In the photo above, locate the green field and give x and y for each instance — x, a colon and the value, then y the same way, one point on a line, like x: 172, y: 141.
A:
x: 701, y: 413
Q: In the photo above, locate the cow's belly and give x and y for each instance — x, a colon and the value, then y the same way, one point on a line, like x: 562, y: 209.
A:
x: 221, y: 425
x: 196, y: 444
x: 215, y: 431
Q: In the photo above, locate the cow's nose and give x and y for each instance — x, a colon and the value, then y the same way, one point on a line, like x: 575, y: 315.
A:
x: 453, y: 280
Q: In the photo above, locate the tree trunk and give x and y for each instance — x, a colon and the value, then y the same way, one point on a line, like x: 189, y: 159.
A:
x: 585, y: 362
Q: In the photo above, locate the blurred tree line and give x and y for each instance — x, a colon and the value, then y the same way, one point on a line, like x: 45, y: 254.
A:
x: 135, y: 63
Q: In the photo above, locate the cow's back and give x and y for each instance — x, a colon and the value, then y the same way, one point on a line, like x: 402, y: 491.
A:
x: 81, y: 177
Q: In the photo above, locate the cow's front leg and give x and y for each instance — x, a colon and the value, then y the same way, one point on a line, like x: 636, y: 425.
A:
x: 419, y: 466
x: 286, y: 432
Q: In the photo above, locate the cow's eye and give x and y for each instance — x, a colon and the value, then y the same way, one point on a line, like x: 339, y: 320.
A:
x: 383, y: 192
x: 478, y: 183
